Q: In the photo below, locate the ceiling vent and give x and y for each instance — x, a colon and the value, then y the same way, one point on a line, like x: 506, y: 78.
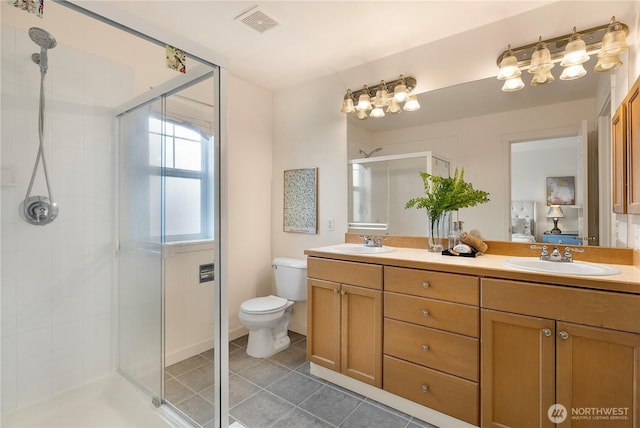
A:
x: 257, y: 19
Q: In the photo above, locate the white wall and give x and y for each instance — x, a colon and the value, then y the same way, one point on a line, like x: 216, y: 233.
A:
x: 57, y: 280
x: 189, y: 304
x: 249, y: 190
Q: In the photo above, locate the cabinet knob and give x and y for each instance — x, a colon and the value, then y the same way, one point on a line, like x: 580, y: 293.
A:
x: 425, y: 388
x: 342, y: 292
x: 425, y: 348
x: 425, y: 284
x: 335, y: 291
x: 564, y: 335
x: 546, y: 332
x: 425, y: 313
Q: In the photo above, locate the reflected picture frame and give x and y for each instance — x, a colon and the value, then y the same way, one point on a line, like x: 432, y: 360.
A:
x: 561, y: 191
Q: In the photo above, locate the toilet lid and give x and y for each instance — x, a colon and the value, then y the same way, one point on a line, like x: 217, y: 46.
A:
x: 264, y: 305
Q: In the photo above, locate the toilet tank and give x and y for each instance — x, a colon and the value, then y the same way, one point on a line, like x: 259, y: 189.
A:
x: 291, y: 278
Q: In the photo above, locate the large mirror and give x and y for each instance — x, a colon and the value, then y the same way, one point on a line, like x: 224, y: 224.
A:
x: 555, y: 130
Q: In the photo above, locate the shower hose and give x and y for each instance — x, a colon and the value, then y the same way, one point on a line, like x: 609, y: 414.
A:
x: 40, y: 155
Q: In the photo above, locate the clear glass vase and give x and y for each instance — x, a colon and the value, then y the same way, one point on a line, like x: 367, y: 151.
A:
x: 437, y: 231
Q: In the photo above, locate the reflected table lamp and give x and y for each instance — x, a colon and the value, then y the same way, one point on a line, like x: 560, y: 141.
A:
x: 555, y: 213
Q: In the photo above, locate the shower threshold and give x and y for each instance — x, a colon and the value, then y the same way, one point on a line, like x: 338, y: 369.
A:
x: 111, y: 401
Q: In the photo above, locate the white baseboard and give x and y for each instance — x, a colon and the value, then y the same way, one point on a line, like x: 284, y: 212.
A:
x: 237, y: 332
x: 187, y: 352
x: 298, y: 328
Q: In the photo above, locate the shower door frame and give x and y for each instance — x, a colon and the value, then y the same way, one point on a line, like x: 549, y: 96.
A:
x: 120, y: 19
x: 160, y: 94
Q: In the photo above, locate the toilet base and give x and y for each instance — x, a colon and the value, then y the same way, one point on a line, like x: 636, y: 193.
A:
x: 265, y: 342
x: 262, y: 344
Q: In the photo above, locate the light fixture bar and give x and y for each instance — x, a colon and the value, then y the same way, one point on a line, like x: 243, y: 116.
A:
x: 592, y: 37
x: 389, y: 86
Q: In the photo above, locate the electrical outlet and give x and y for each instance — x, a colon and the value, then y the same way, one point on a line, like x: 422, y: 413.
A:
x: 330, y: 224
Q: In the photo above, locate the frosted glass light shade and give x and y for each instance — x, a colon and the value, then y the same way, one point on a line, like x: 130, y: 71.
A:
x: 347, y: 106
x: 509, y: 67
x: 361, y: 114
x: 573, y: 72
x: 377, y: 112
x: 400, y: 93
x: 540, y: 59
x: 542, y: 77
x: 576, y: 51
x: 607, y: 62
x: 364, y: 102
x: 513, y: 84
x: 412, y: 104
x: 614, y: 41
x: 394, y: 106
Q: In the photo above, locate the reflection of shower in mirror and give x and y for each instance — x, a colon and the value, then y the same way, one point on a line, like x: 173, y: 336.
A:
x: 366, y: 155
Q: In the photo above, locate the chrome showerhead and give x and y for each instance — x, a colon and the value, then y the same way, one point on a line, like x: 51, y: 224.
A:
x: 46, y: 41
x: 42, y: 38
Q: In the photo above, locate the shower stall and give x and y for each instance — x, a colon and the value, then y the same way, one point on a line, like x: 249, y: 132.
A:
x: 83, y: 296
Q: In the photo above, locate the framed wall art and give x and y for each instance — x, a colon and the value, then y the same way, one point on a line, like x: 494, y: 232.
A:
x: 561, y: 191
x: 301, y: 200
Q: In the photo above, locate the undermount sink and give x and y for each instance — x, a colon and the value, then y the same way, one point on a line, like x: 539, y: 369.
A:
x: 359, y: 249
x: 563, y: 268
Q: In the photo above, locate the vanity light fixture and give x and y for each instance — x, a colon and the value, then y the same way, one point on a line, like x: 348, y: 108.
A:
x: 386, y: 97
x: 570, y: 50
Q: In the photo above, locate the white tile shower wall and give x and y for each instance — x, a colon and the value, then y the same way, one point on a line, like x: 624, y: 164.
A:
x: 57, y: 280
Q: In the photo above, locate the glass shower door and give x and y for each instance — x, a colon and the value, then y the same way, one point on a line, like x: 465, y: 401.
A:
x: 140, y: 232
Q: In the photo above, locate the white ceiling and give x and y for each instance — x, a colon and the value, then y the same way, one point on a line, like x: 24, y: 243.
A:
x: 318, y: 38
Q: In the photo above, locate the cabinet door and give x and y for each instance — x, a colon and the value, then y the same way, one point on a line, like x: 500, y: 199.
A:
x: 598, y: 372
x: 323, y: 323
x: 619, y: 143
x: 633, y: 149
x: 362, y: 334
x: 517, y: 375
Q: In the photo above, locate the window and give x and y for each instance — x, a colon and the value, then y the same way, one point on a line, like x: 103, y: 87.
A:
x: 188, y: 179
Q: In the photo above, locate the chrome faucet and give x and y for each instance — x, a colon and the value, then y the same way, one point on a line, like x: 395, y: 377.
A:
x: 567, y: 256
x: 372, y: 241
x: 555, y: 255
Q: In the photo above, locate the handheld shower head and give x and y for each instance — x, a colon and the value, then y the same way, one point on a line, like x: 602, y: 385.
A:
x: 46, y: 41
x: 42, y: 38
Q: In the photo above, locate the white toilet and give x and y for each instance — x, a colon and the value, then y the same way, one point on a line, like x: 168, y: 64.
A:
x: 267, y: 318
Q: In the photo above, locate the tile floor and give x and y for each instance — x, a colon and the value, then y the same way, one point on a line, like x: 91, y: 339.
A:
x: 277, y: 392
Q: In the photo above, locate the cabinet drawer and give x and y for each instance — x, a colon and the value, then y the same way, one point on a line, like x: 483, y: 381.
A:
x: 448, y: 394
x: 437, y: 285
x: 432, y: 313
x: 618, y: 311
x: 362, y: 274
x: 451, y: 353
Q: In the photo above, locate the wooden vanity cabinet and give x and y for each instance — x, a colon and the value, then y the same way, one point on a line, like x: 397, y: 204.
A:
x: 344, y: 318
x: 431, y: 340
x: 625, y: 138
x: 530, y: 362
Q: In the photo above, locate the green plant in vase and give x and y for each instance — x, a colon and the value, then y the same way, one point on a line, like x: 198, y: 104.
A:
x: 442, y: 196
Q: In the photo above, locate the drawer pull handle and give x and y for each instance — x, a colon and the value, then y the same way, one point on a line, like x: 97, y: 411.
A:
x: 425, y: 348
x: 425, y: 313
x: 425, y: 284
x: 564, y: 335
x: 425, y: 388
x: 546, y: 332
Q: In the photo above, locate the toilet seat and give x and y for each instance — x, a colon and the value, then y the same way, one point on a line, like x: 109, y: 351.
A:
x: 264, y: 305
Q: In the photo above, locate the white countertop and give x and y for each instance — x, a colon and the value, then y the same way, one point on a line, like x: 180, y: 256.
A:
x: 490, y: 265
